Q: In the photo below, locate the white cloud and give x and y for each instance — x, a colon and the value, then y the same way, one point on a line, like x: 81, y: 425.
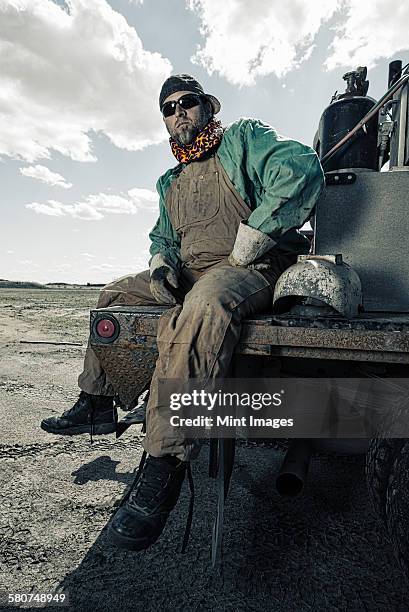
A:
x: 118, y: 269
x: 43, y: 174
x: 144, y: 198
x: 371, y: 30
x: 103, y: 266
x: 246, y: 39
x: 68, y: 72
x: 97, y: 206
x: 28, y: 262
x: 62, y: 267
x: 52, y: 208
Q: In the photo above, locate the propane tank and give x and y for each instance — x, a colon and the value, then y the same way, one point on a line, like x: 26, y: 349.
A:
x: 343, y: 113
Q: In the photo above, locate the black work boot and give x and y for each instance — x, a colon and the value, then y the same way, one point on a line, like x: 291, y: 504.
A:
x: 139, y: 522
x: 93, y: 414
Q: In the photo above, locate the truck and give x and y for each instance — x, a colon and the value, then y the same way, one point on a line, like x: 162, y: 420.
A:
x: 341, y: 312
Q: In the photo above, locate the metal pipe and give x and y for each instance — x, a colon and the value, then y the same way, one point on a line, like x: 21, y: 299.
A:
x: 292, y: 476
x: 402, y: 138
x: 387, y: 96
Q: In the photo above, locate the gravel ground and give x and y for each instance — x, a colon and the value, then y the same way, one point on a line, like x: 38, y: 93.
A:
x: 319, y: 552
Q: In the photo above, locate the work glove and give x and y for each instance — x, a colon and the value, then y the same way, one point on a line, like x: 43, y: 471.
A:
x: 163, y: 273
x: 250, y: 245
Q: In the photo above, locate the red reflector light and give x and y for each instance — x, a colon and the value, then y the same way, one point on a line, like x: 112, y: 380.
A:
x: 105, y: 328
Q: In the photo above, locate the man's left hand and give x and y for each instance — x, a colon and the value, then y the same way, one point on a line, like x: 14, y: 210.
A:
x: 250, y: 244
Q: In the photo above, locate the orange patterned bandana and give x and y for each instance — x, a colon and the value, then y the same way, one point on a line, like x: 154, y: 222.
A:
x: 207, y: 139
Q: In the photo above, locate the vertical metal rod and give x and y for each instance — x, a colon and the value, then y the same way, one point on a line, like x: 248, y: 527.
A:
x: 403, y: 114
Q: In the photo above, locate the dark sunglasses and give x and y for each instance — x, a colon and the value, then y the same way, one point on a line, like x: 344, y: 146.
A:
x: 185, y: 102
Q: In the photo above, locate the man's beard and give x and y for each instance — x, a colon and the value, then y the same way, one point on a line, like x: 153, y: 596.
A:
x: 189, y: 131
x: 186, y: 135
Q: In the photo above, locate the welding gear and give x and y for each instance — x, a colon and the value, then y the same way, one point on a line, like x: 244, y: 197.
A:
x: 250, y: 244
x: 325, y: 278
x: 161, y: 273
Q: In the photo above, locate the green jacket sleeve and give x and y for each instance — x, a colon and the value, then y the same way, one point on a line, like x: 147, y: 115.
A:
x: 163, y: 237
x: 290, y: 177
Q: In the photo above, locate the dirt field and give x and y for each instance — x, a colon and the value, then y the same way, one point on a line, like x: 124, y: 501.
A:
x: 322, y: 551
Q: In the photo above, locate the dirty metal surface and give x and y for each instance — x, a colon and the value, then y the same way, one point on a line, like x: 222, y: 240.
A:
x: 322, y: 277
x: 129, y: 368
x: 329, y: 343
x: 368, y: 223
x: 383, y: 338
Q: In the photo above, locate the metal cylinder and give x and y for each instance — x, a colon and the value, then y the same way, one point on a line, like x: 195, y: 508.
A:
x: 395, y: 68
x: 292, y: 476
x: 336, y: 121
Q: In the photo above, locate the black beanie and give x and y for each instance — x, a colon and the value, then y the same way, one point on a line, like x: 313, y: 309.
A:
x: 185, y: 82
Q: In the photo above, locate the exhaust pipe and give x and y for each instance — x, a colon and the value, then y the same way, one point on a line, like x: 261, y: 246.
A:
x: 292, y: 476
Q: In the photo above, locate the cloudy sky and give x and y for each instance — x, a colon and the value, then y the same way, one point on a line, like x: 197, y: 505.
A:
x: 82, y: 141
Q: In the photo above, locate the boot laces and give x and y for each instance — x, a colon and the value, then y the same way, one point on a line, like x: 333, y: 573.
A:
x: 72, y: 411
x: 83, y: 399
x: 149, y: 486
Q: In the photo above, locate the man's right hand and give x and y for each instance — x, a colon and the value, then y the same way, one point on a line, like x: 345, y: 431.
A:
x: 162, y: 272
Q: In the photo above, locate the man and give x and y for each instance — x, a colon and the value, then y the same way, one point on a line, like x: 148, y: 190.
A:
x: 226, y: 231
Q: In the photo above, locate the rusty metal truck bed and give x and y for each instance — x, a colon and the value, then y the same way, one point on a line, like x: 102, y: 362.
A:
x: 128, y: 355
x: 382, y: 337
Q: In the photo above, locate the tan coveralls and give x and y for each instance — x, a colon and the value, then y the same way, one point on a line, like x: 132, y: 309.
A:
x: 195, y: 339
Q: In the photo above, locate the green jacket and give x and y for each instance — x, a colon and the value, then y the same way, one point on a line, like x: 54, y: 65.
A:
x: 280, y: 179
